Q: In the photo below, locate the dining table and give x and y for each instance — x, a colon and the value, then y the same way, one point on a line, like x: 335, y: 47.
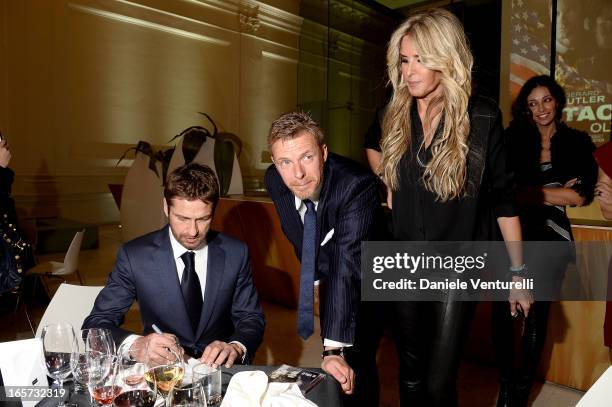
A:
x: 327, y: 393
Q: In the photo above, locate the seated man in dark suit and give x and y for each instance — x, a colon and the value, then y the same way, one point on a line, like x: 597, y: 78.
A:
x: 193, y: 283
x: 327, y: 205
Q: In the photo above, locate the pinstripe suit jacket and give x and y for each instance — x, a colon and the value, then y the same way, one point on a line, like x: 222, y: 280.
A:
x: 350, y: 205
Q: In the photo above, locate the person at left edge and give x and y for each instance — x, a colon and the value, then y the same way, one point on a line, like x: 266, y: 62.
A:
x: 223, y: 326
x: 343, y: 198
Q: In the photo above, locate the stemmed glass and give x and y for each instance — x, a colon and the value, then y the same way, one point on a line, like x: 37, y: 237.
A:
x: 104, y: 382
x: 87, y: 348
x: 136, y: 392
x: 166, y: 372
x: 99, y: 340
x: 57, y: 342
x: 79, y: 364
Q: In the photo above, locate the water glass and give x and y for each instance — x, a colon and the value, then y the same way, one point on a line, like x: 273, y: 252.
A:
x: 191, y: 395
x: 210, y: 379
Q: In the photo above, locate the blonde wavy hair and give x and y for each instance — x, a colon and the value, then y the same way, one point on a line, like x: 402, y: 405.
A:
x: 438, y: 37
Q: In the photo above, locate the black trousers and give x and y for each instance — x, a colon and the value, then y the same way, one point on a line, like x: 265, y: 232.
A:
x: 430, y: 337
x: 520, y: 371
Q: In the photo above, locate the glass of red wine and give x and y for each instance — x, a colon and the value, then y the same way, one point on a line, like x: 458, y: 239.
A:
x: 135, y: 392
x: 105, y: 383
x: 57, y: 340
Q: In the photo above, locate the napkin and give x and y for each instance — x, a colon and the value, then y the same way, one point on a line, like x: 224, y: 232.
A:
x: 22, y: 363
x: 188, y: 375
x: 251, y: 389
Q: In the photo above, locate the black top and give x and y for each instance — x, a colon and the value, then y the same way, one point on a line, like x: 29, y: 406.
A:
x: 7, y: 206
x: 374, y: 133
x: 419, y: 215
x: 571, y: 156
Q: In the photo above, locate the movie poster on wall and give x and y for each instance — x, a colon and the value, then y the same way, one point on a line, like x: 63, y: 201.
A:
x: 583, y: 57
x: 583, y: 42
x: 530, y: 24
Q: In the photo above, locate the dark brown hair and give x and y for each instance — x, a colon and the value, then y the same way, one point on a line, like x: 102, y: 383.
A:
x: 192, y: 181
x: 291, y: 124
x: 520, y: 108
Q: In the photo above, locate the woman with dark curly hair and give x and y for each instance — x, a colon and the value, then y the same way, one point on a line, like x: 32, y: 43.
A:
x: 553, y: 167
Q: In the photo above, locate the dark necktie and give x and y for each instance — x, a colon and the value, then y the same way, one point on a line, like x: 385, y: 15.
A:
x: 192, y: 290
x: 307, y: 272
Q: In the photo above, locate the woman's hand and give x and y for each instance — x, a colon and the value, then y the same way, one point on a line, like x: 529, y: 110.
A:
x: 603, y: 193
x: 519, y: 298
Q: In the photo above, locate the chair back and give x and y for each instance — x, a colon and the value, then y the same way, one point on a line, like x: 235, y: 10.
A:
x: 71, y: 260
x: 70, y: 304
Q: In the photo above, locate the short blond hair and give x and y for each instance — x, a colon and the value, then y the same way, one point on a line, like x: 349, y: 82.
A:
x: 291, y: 124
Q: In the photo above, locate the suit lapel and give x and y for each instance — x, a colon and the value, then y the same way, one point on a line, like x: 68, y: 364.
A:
x: 322, y: 206
x: 214, y: 276
x: 169, y: 286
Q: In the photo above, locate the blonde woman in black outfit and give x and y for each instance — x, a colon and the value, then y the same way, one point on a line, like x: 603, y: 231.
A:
x: 553, y: 168
x: 444, y: 163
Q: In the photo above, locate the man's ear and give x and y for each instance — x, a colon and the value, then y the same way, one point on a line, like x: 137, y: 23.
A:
x: 324, y: 149
x: 165, y: 207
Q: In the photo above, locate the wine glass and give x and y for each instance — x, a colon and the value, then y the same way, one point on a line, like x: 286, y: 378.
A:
x: 136, y: 392
x: 104, y: 381
x: 57, y: 342
x: 167, y: 372
x: 190, y: 395
x: 99, y: 340
x: 79, y: 362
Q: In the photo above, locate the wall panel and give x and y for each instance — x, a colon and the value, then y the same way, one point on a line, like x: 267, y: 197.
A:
x: 85, y: 79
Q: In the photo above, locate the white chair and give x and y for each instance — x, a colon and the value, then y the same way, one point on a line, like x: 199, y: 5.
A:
x: 600, y: 393
x: 70, y: 304
x: 62, y: 269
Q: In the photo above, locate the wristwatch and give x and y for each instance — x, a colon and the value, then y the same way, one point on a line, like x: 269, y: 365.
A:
x: 333, y: 352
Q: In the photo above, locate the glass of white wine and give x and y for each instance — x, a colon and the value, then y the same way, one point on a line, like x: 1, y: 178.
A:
x: 166, y: 372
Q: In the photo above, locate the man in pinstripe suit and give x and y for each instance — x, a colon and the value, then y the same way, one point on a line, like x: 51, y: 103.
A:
x: 346, y: 203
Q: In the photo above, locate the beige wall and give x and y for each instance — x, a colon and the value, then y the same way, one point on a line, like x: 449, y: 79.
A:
x: 83, y: 80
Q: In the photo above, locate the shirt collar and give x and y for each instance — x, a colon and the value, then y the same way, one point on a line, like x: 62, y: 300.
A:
x: 299, y: 203
x: 178, y: 249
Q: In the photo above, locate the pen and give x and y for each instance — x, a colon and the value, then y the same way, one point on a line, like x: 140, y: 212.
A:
x: 159, y: 331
